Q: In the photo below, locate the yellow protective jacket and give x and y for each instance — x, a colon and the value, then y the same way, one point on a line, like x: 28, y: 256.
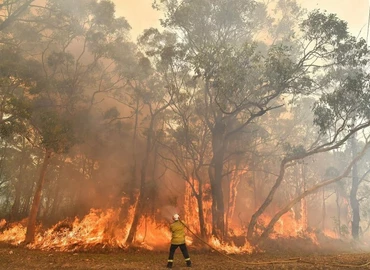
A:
x: 178, y: 233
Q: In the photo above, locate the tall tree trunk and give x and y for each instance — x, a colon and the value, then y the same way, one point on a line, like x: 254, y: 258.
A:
x: 132, y: 185
x: 31, y: 226
x: 153, y: 186
x: 139, y: 205
x: 304, y: 214
x: 15, y: 212
x: 202, y: 224
x: 323, y: 210
x: 28, y: 189
x: 54, y: 215
x: 215, y: 175
x: 309, y: 191
x: 132, y: 192
x: 355, y: 205
x: 140, y: 200
x: 199, y: 198
x: 337, y: 201
x: 233, y: 185
x: 266, y: 203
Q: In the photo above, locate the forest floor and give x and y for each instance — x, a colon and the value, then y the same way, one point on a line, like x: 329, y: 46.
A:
x: 16, y: 258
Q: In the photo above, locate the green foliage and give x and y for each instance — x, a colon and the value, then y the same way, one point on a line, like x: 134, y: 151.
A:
x: 329, y: 29
x: 56, y: 131
x: 294, y: 151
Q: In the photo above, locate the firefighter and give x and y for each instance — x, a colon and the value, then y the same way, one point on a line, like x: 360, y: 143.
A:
x: 178, y: 240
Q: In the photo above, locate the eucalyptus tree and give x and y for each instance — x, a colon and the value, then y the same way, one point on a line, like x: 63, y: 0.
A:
x: 156, y: 97
x: 241, y: 80
x: 65, y: 64
x: 238, y: 75
x: 356, y: 189
x: 341, y: 63
x: 12, y: 10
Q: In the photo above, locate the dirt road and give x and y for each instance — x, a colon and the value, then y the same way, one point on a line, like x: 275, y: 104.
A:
x: 14, y: 258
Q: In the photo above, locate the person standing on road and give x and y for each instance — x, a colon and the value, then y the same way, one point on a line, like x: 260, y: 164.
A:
x: 178, y: 240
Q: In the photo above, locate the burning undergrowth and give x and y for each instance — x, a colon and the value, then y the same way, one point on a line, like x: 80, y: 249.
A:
x: 97, y: 230
x: 102, y: 230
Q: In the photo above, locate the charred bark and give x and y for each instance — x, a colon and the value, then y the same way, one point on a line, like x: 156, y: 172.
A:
x: 266, y: 203
x: 215, y: 175
x: 234, y: 181
x: 202, y: 227
x: 199, y: 198
x: 31, y: 226
x: 140, y: 203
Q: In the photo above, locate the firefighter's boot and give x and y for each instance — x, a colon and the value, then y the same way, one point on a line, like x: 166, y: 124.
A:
x: 188, y: 263
x: 169, y: 264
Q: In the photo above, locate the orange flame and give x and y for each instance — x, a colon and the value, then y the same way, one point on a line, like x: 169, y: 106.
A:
x: 231, y: 248
x: 13, y: 235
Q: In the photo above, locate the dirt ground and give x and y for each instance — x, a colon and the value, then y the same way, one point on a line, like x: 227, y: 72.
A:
x: 15, y: 258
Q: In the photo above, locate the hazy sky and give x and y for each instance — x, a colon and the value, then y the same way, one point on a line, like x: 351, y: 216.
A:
x: 140, y: 14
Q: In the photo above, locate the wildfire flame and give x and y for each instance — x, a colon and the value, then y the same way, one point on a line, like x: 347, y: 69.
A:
x: 231, y: 248
x: 102, y: 229
x: 13, y: 235
x: 93, y: 229
x: 98, y: 228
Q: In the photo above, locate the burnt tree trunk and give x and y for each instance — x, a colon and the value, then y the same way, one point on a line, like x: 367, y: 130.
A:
x: 31, y: 226
x: 132, y: 189
x: 202, y: 227
x: 141, y: 198
x: 266, y: 203
x: 199, y: 197
x: 355, y: 205
x: 234, y: 181
x: 139, y: 205
x: 215, y: 175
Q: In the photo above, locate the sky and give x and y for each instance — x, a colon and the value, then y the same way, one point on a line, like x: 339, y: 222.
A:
x: 140, y: 14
